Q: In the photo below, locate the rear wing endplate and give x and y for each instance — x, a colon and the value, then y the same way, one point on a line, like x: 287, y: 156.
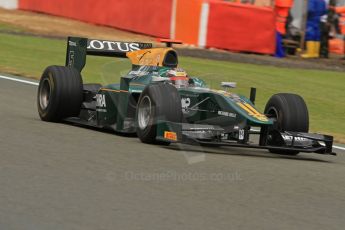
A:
x: 79, y: 48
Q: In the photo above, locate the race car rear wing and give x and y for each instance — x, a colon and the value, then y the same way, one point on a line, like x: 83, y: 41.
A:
x: 78, y: 48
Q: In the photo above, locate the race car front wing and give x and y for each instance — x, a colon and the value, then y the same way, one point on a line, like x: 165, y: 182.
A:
x: 216, y: 136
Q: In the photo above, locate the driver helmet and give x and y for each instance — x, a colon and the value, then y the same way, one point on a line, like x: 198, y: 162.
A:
x: 178, y: 77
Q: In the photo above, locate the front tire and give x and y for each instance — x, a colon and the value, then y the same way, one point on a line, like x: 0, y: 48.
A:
x: 290, y: 114
x: 60, y: 93
x: 157, y: 102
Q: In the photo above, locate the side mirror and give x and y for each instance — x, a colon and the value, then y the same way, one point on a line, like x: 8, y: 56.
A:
x: 228, y: 85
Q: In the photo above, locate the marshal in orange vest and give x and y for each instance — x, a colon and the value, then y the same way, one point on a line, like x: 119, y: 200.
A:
x: 282, y: 8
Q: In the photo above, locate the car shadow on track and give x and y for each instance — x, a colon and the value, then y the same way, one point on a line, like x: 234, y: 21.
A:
x: 235, y: 151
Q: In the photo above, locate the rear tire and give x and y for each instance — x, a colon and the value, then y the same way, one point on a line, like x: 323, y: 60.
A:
x: 60, y: 93
x: 290, y: 113
x: 157, y: 102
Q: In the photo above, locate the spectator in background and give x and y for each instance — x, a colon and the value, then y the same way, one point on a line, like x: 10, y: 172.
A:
x: 282, y: 8
x: 325, y: 28
x: 316, y: 9
x: 341, y: 11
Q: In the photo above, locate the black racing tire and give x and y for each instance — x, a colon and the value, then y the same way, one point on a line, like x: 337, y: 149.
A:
x: 60, y: 93
x: 291, y: 114
x: 157, y: 102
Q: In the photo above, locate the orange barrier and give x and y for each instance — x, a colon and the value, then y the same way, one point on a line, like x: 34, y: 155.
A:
x: 336, y: 46
x: 148, y: 17
x: 188, y: 20
x: 239, y: 27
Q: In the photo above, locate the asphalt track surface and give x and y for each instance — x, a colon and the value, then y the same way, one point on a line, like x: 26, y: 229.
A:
x: 58, y: 176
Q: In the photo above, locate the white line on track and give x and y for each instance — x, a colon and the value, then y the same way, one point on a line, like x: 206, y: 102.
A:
x: 19, y: 80
x: 36, y: 83
x: 338, y: 147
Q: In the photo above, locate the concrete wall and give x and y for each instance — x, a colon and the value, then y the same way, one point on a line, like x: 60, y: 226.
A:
x: 296, y: 12
x: 9, y: 4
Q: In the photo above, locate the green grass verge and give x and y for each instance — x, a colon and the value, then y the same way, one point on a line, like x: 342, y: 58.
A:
x: 324, y: 91
x: 10, y: 28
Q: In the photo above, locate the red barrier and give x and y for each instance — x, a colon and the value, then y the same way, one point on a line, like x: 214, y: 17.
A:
x: 239, y: 27
x: 231, y: 26
x: 148, y: 17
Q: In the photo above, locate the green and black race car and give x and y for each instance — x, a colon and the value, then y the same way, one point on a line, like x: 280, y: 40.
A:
x: 161, y: 104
